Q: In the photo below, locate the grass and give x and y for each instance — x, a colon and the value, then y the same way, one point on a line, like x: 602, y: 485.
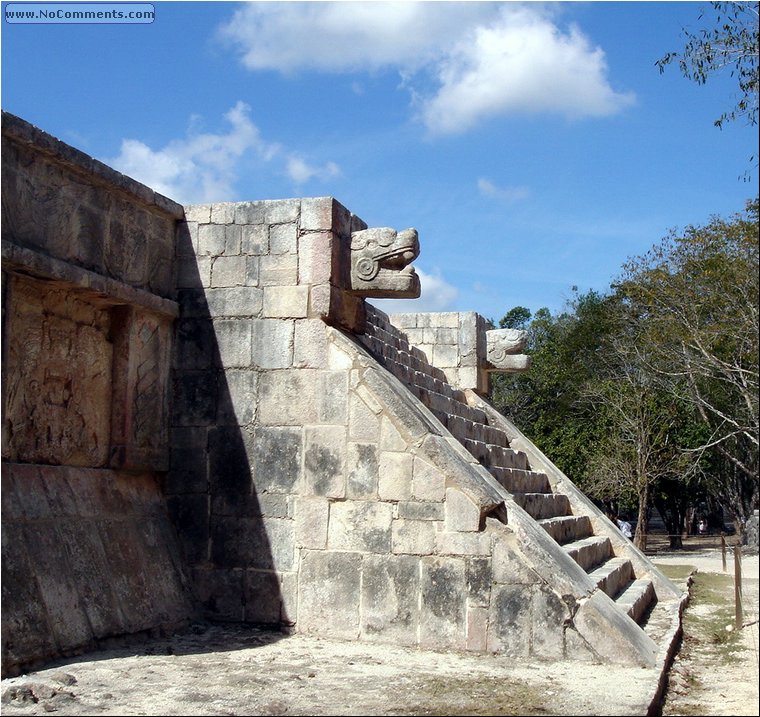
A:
x: 712, y: 610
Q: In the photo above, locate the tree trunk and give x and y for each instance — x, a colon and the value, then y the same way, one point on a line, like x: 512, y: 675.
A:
x: 642, y: 522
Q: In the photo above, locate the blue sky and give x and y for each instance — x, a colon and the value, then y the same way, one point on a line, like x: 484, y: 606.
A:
x: 534, y: 146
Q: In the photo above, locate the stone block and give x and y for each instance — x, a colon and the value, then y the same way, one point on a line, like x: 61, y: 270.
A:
x: 194, y: 398
x: 286, y: 301
x: 456, y: 543
x: 283, y: 239
x: 362, y: 468
x: 315, y: 258
x: 289, y: 598
x: 310, y: 347
x: 477, y: 629
x: 277, y: 459
x: 288, y: 398
x: 237, y: 397
x: 390, y: 438
x: 280, y: 270
x: 274, y: 505
x: 272, y: 343
x: 332, y: 397
x: 241, y: 542
x: 200, y: 213
x: 230, y: 452
x: 212, y: 240
x: 220, y: 592
x: 281, y: 534
x: 360, y: 526
x: 510, y: 566
x: 443, y: 623
x: 252, y: 270
x: 233, y: 340
x: 324, y: 461
x: 389, y: 605
x: 228, y: 271
x: 414, y: 537
x: 317, y: 213
x: 232, y: 240
x: 479, y: 579
x: 193, y: 344
x: 235, y: 301
x: 223, y: 213
x: 187, y: 472
x: 249, y: 212
x: 461, y: 513
x: 312, y: 515
x: 363, y: 424
x: 510, y: 623
x: 281, y: 211
x: 262, y: 603
x: 329, y: 594
x: 395, y: 476
x: 420, y: 511
x: 254, y: 240
x: 338, y: 359
x: 549, y: 616
x: 26, y: 630
x: 189, y: 514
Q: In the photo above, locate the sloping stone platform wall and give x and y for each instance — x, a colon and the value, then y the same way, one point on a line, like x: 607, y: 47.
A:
x: 88, y: 551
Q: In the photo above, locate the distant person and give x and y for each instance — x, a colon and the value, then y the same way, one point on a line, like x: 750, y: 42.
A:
x: 625, y: 527
x: 702, y: 527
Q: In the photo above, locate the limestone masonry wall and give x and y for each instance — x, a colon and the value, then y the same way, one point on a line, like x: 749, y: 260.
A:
x: 205, y: 418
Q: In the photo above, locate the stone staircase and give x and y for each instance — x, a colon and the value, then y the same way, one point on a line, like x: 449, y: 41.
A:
x: 588, y: 537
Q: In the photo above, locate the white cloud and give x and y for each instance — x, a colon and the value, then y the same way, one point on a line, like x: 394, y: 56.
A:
x: 202, y: 167
x: 483, y: 59
x: 436, y: 295
x: 300, y: 171
x: 345, y: 36
x: 507, y: 194
x: 521, y: 63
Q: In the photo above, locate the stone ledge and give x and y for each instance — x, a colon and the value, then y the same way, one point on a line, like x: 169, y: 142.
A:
x: 29, y: 262
x: 23, y: 132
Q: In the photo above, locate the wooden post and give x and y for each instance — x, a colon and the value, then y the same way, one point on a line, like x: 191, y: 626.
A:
x: 738, y: 586
x: 723, y: 549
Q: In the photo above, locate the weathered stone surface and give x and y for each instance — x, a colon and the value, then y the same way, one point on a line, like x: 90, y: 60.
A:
x: 261, y: 589
x: 362, y: 467
x: 324, y: 461
x: 415, y: 537
x: 312, y: 515
x: 329, y: 593
x: 395, y: 476
x: 360, y: 526
x: 277, y: 459
x: 271, y: 343
x: 288, y: 397
x: 58, y: 385
x: 443, y: 616
x: 381, y: 263
x: 390, y: 610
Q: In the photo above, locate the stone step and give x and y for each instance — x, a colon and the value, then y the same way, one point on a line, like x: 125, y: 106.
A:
x: 637, y: 598
x: 568, y: 528
x: 543, y: 505
x: 501, y: 457
x: 589, y: 552
x: 613, y: 576
x: 516, y: 480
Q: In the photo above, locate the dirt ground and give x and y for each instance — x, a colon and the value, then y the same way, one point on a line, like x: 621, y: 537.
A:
x: 233, y: 671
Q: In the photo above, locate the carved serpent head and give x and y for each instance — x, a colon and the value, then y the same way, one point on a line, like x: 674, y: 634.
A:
x: 381, y: 263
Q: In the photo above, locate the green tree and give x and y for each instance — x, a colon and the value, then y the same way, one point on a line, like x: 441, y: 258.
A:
x: 730, y: 43
x: 694, y: 297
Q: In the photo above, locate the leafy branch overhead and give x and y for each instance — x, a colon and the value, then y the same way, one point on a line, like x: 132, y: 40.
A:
x: 731, y: 44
